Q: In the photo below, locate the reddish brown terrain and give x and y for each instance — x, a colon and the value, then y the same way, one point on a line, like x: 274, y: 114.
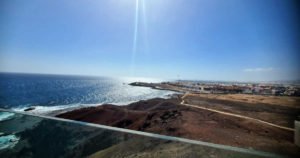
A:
x: 169, y: 117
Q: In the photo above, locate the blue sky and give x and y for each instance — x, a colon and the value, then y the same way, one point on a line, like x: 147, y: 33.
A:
x: 244, y: 40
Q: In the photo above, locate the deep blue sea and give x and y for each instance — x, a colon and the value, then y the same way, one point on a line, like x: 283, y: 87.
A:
x: 55, y: 92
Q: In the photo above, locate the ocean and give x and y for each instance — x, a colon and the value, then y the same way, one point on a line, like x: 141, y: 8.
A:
x: 49, y: 93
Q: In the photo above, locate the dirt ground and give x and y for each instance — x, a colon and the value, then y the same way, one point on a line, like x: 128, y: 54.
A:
x: 265, y: 108
x: 169, y: 117
x: 287, y: 101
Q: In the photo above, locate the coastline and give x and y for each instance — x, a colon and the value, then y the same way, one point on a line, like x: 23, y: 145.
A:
x: 239, y: 120
x: 170, y: 117
x: 158, y: 86
x: 59, y: 109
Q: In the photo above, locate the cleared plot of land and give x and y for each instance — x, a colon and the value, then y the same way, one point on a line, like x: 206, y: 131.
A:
x: 265, y: 108
x: 287, y: 101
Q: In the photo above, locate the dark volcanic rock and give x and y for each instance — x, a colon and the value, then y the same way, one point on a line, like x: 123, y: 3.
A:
x: 29, y: 109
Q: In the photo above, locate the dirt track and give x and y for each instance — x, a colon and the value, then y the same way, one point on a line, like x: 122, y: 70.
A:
x: 281, y: 115
x: 234, y: 115
x: 169, y: 117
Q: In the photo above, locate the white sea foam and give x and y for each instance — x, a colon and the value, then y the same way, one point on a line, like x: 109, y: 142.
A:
x: 49, y: 110
x: 6, y: 115
x: 44, y: 110
x: 8, y: 141
x: 48, y: 94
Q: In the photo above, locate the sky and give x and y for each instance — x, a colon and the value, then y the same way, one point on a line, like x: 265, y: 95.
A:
x: 232, y: 40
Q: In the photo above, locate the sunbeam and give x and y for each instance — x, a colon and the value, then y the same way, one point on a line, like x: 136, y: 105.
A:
x: 145, y: 25
x: 134, y: 48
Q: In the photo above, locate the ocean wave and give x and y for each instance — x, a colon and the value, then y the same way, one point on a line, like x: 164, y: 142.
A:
x: 46, y: 94
x: 6, y: 116
x: 45, y: 110
x: 48, y: 110
x: 8, y: 141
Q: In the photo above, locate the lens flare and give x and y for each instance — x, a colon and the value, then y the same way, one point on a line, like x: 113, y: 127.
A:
x: 144, y: 16
x: 134, y: 48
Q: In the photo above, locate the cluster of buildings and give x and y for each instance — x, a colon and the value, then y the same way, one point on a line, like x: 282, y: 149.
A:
x: 243, y: 88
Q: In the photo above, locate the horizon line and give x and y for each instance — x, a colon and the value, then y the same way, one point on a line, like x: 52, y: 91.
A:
x: 90, y: 75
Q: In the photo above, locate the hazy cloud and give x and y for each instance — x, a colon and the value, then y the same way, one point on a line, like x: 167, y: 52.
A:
x: 258, y: 69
